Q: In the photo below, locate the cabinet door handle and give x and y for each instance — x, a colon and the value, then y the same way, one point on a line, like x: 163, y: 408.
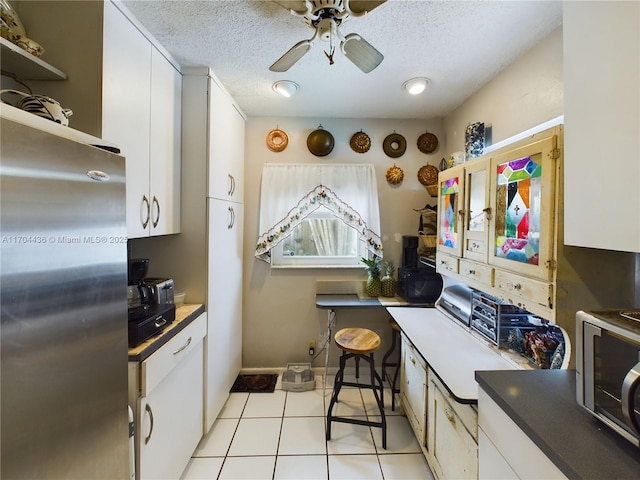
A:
x: 145, y: 200
x: 157, y: 204
x: 514, y: 286
x: 450, y: 416
x: 232, y: 219
x: 461, y: 212
x: 487, y: 212
x: 183, y: 347
x: 471, y: 272
x: 148, y: 410
x: 413, y: 360
x: 232, y: 185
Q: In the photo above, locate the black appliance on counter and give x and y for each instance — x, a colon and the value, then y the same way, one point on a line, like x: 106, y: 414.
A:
x: 146, y: 317
x: 417, y: 281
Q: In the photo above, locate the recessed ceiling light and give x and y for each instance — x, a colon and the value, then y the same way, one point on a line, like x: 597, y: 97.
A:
x: 286, y: 88
x: 416, y: 85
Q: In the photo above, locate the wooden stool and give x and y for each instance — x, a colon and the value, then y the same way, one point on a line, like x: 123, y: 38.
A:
x: 358, y: 343
x: 395, y: 333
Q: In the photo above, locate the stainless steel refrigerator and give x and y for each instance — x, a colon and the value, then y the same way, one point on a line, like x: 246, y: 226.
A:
x: 63, y: 305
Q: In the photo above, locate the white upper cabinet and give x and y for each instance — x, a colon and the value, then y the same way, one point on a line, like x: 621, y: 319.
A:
x: 226, y: 147
x: 602, y: 137
x: 122, y: 87
x: 165, y: 146
x: 141, y: 112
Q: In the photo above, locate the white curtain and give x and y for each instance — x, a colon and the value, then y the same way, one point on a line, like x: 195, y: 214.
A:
x: 290, y: 192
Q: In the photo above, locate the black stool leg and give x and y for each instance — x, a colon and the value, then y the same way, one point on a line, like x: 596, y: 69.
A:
x: 337, y: 385
x: 377, y: 385
x: 386, y: 363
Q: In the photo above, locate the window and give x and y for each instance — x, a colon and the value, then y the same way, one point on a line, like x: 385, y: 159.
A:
x: 320, y: 240
x: 317, y: 215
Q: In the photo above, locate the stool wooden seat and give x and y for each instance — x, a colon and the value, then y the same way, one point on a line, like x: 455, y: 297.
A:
x: 358, y: 343
x: 357, y: 340
x: 392, y: 379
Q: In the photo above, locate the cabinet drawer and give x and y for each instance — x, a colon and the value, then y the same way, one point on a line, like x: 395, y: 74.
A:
x: 446, y: 263
x: 521, y: 290
x: 162, y: 362
x: 414, y: 389
x: 468, y: 414
x: 476, y: 271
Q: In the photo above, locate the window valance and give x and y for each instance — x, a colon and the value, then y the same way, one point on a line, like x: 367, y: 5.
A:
x: 290, y: 192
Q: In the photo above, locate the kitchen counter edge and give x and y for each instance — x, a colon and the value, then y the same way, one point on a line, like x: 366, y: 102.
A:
x: 542, y: 403
x: 185, y: 314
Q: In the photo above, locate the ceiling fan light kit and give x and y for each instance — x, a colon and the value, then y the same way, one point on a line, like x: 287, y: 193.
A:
x: 326, y: 17
x: 415, y: 86
x: 286, y: 88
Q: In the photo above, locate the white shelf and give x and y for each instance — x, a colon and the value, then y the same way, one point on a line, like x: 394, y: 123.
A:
x: 25, y: 66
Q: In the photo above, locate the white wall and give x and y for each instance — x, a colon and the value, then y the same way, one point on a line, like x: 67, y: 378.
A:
x: 279, y: 305
x: 527, y: 93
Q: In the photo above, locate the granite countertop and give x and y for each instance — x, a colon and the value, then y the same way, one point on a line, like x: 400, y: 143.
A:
x: 185, y: 314
x: 543, y: 405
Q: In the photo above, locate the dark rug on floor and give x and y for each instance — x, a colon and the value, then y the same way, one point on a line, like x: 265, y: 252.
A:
x: 261, y: 383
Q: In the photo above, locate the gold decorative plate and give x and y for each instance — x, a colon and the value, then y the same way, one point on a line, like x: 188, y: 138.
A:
x: 360, y: 142
x: 394, y: 145
x: 428, y: 175
x: 395, y: 175
x: 277, y: 140
x: 427, y: 143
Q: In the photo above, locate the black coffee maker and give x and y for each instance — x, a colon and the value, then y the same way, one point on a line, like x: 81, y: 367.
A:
x: 417, y: 281
x: 146, y: 317
x: 140, y: 296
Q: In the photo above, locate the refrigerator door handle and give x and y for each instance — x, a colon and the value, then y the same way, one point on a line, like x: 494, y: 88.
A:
x: 148, y: 410
x: 145, y: 200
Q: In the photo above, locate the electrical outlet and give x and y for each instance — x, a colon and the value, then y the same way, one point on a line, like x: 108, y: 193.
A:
x: 311, y: 345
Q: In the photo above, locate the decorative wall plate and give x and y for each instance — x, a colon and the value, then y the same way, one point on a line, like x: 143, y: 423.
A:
x: 277, y: 140
x: 427, y: 143
x: 360, y: 142
x: 394, y: 145
x: 395, y: 175
x: 428, y: 175
x: 320, y: 142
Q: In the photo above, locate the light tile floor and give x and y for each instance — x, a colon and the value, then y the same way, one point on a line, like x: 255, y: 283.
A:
x: 281, y: 435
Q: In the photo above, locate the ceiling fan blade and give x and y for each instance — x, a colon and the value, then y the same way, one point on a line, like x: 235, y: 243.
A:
x: 295, y: 53
x: 361, y: 52
x: 295, y: 5
x: 359, y: 6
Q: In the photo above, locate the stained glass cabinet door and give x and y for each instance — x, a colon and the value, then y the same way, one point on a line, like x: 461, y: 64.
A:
x: 450, y: 201
x: 522, y: 199
x: 477, y: 212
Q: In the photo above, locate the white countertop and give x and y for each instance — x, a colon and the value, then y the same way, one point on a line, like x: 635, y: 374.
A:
x: 449, y: 349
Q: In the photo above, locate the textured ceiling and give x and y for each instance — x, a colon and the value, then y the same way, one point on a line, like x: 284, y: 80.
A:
x: 458, y: 45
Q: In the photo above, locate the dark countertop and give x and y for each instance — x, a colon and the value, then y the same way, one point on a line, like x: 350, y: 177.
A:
x: 185, y: 314
x: 543, y: 405
x: 345, y: 300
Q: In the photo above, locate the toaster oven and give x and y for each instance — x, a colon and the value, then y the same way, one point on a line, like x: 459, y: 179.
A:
x: 608, y: 368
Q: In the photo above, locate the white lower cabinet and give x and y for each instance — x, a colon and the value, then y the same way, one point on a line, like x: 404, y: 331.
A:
x: 505, y: 451
x: 446, y: 430
x: 169, y: 410
x: 452, y: 434
x: 413, y: 390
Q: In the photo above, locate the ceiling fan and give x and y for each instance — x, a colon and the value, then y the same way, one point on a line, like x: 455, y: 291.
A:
x: 326, y: 17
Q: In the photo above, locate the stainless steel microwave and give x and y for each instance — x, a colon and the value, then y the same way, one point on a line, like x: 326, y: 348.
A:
x: 608, y: 368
